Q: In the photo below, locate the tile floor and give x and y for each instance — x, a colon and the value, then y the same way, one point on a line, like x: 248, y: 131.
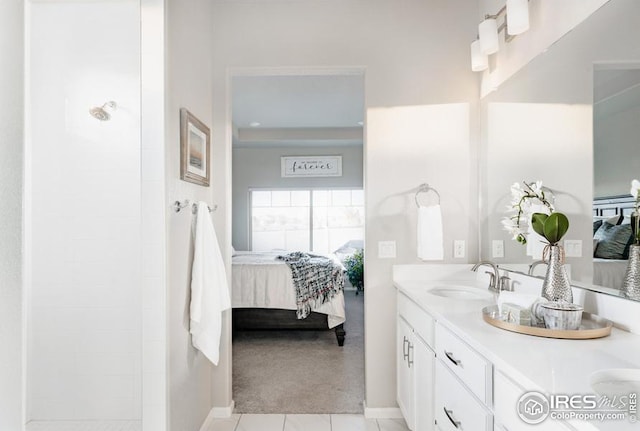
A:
x: 326, y: 422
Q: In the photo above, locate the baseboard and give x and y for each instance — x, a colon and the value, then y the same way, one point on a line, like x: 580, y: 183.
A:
x: 217, y: 413
x: 382, y: 413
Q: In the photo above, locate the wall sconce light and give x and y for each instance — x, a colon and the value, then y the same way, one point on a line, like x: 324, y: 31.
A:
x: 488, y: 31
x: 479, y: 61
x: 515, y: 15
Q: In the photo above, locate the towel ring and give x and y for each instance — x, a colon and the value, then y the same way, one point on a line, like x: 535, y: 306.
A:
x: 426, y: 188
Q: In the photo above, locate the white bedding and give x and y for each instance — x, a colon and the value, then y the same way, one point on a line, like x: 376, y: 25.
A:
x: 262, y: 281
x: 609, y: 272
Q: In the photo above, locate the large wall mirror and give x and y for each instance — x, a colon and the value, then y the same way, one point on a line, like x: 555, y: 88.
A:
x: 557, y: 120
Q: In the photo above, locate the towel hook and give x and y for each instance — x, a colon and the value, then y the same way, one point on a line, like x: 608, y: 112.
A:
x: 194, y: 208
x: 426, y: 188
x: 178, y: 206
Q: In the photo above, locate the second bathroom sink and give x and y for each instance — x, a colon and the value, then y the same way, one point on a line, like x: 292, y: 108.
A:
x: 616, y: 381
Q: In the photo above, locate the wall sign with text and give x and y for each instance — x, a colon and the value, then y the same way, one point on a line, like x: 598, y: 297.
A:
x: 311, y: 166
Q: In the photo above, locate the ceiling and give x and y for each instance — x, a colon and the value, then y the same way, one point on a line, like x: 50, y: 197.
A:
x: 327, y: 108
x: 615, y: 90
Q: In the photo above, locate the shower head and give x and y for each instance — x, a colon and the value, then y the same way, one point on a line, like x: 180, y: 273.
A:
x: 103, y: 113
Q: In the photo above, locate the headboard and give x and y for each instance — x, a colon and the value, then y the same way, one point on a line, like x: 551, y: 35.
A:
x: 613, y: 205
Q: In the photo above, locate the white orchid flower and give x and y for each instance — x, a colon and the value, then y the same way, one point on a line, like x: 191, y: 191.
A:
x: 635, y: 188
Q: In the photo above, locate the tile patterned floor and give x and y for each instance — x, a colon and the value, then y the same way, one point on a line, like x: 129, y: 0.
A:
x: 245, y: 422
x: 333, y: 422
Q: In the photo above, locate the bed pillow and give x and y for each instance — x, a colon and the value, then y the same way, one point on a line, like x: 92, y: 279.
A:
x: 596, y: 226
x: 613, y: 241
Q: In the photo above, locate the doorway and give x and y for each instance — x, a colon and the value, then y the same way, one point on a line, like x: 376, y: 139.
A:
x: 314, y: 118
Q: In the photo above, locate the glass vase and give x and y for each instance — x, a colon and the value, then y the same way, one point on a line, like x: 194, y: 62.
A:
x: 556, y: 285
x: 631, y: 283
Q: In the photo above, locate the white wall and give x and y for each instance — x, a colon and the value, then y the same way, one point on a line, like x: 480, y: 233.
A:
x: 153, y: 218
x: 420, y: 120
x: 84, y: 201
x: 11, y: 182
x: 539, y: 125
x: 260, y: 168
x: 189, y: 36
x: 549, y: 21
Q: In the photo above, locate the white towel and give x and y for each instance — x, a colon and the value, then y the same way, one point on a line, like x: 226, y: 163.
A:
x: 430, y: 243
x: 209, y: 289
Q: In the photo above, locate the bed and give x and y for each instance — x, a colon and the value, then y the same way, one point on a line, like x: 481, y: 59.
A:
x: 612, y: 237
x: 264, y: 296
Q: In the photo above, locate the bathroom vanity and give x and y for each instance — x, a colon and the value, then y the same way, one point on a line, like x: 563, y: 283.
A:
x: 454, y: 371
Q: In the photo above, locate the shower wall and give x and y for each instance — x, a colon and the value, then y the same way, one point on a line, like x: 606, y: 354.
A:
x: 83, y: 212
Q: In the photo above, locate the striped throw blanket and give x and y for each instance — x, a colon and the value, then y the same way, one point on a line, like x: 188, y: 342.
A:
x: 317, y: 279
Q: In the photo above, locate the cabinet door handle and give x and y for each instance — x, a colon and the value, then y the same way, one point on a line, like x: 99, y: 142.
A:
x: 449, y: 356
x: 405, y: 351
x: 449, y: 414
x: 404, y: 348
x: 409, y: 355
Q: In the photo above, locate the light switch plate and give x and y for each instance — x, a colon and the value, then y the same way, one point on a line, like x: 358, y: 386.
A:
x: 497, y: 248
x: 573, y: 247
x: 458, y: 248
x: 386, y: 249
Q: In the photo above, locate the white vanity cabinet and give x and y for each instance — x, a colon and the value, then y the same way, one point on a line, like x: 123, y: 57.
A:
x: 507, y: 393
x: 463, y: 385
x: 415, y: 365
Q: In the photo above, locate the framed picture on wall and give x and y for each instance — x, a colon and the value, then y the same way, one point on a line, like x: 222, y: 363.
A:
x: 194, y: 149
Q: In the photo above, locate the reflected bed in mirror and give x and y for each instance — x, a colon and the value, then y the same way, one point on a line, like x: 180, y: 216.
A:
x: 612, y: 237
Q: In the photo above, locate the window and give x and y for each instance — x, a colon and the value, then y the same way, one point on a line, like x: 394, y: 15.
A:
x: 306, y: 220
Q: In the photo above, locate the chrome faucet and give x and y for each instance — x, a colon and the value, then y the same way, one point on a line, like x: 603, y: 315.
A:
x: 494, y: 276
x: 534, y: 264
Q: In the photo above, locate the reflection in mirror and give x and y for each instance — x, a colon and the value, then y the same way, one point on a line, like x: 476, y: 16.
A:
x: 616, y: 107
x: 539, y: 125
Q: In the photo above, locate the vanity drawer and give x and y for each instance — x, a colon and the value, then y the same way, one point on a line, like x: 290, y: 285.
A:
x: 421, y: 322
x: 507, y: 394
x: 473, y: 369
x: 456, y: 408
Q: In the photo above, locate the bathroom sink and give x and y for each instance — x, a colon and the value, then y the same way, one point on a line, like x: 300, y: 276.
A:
x: 616, y: 381
x: 460, y: 292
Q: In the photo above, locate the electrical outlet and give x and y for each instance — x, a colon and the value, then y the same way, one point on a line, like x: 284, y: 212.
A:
x: 458, y: 248
x: 573, y: 247
x: 386, y: 249
x: 497, y: 248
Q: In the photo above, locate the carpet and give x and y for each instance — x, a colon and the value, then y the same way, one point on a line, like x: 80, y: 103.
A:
x: 301, y: 371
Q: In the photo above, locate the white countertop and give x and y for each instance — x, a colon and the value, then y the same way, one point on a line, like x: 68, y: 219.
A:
x: 553, y: 366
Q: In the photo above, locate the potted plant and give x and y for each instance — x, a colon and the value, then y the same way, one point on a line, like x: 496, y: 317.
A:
x: 355, y: 270
x: 551, y: 226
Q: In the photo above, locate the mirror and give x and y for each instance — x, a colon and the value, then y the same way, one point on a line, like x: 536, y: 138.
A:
x: 539, y: 125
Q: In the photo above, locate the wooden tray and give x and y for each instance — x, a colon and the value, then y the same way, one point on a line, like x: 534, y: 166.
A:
x: 592, y: 326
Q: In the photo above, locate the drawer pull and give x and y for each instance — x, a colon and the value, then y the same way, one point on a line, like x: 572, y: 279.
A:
x: 449, y: 414
x: 409, y: 359
x: 449, y: 356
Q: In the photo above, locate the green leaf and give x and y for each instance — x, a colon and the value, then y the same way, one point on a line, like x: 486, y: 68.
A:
x: 537, y: 222
x: 555, y: 226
